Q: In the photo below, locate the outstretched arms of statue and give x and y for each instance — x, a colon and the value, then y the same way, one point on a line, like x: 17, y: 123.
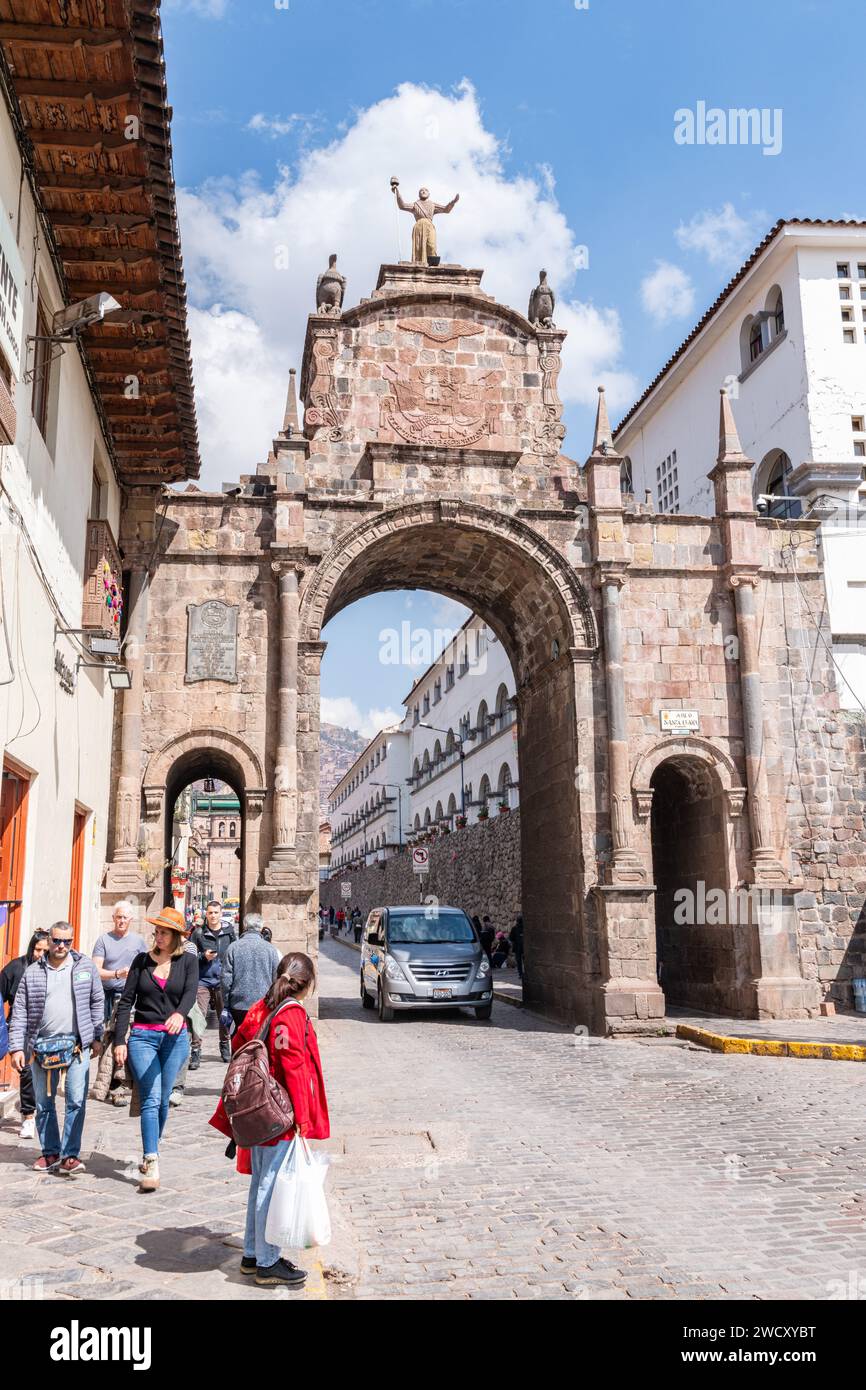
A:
x: 402, y: 205
x: 446, y: 207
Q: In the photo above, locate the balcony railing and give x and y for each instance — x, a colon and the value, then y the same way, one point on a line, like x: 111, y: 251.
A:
x: 103, y: 583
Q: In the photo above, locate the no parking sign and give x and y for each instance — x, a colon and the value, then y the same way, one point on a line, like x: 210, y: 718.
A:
x: 421, y: 860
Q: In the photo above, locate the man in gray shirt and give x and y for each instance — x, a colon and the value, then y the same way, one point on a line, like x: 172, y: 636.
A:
x: 114, y: 953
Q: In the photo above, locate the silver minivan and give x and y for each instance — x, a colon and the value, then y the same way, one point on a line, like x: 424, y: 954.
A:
x: 423, y: 958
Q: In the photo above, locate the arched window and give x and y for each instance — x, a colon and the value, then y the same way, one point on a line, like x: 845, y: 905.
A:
x: 222, y: 830
x: 425, y: 762
x: 756, y: 340
x: 416, y: 770
x: 481, y: 722
x: 439, y: 815
x: 772, y: 479
x: 416, y: 825
x: 437, y: 753
x: 626, y: 478
x: 484, y: 790
x: 775, y: 311
x: 233, y: 830
x: 452, y: 805
x: 502, y: 710
x: 427, y: 816
x: 449, y: 743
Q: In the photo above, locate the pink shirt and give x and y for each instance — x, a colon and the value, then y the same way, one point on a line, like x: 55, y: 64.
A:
x: 153, y: 1027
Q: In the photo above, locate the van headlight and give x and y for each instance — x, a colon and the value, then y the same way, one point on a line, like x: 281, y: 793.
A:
x: 484, y: 968
x: 392, y: 969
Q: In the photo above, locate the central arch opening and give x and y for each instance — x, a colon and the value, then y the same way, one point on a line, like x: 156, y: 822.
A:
x: 484, y: 730
x: 205, y: 838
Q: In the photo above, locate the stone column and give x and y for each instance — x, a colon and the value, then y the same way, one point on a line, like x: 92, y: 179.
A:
x: 626, y: 866
x: 286, y: 767
x: 123, y: 872
x: 766, y: 865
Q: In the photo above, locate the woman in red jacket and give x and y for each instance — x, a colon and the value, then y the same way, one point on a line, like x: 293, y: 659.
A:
x: 295, y: 1062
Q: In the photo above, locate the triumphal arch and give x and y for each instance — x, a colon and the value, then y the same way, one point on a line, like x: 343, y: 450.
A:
x: 677, y: 720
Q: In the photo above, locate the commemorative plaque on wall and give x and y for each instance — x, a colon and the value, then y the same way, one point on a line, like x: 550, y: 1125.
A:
x: 212, y: 641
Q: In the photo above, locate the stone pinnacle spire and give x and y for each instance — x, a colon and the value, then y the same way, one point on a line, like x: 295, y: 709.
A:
x: 290, y: 422
x: 730, y: 448
x: 603, y: 440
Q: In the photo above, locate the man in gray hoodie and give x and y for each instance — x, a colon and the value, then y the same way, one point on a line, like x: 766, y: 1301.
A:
x: 59, y: 997
x: 249, y: 969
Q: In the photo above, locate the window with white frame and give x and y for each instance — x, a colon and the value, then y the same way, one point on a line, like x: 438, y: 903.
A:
x: 857, y: 423
x: 667, y: 484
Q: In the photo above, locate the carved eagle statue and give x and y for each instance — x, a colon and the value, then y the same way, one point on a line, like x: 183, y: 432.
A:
x: 542, y: 303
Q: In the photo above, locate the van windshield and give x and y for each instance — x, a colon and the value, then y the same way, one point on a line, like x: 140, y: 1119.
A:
x: 416, y: 928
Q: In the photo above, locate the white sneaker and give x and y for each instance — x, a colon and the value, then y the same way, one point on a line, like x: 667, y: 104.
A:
x: 28, y: 1127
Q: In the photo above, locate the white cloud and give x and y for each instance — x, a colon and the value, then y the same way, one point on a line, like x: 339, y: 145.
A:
x: 667, y: 293
x: 276, y: 126
x: 206, y: 9
x: 724, y: 237
x: 343, y: 712
x: 253, y: 253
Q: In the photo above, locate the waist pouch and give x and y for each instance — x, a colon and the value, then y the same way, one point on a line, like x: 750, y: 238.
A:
x: 57, y: 1053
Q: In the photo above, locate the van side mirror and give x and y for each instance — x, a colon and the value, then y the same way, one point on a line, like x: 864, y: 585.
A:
x: 374, y: 939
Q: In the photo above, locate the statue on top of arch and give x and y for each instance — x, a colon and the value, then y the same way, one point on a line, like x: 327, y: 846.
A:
x: 424, y: 209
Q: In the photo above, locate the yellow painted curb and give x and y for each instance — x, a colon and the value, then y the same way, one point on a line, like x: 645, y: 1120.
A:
x: 316, y: 1286
x: 772, y: 1047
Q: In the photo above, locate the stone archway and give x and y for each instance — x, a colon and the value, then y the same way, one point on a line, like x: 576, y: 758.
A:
x: 185, y: 759
x: 533, y: 600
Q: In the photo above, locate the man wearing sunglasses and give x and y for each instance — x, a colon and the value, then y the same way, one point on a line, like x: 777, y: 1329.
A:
x: 58, y: 1018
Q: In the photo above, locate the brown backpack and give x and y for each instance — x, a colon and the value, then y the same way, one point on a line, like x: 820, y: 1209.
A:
x: 257, y: 1107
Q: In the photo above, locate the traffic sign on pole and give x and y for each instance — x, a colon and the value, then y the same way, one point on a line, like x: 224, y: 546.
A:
x: 421, y: 860
x: 346, y: 889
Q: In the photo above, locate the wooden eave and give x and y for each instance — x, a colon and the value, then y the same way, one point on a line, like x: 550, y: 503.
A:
x: 86, y: 76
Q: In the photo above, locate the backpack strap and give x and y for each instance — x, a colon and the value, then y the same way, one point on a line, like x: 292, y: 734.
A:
x: 265, y: 1028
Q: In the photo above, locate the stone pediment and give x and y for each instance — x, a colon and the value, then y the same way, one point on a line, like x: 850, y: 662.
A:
x: 430, y: 360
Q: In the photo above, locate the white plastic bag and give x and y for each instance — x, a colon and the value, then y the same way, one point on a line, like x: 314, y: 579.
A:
x: 298, y: 1211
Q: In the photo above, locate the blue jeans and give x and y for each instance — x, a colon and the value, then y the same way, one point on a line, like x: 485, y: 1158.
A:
x: 155, y: 1060
x: 111, y: 998
x: 45, y: 1085
x: 266, y: 1163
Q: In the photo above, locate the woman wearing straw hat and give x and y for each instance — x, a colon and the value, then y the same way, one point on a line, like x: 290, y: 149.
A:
x: 161, y: 988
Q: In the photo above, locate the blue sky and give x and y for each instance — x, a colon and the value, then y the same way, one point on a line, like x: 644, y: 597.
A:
x: 556, y: 125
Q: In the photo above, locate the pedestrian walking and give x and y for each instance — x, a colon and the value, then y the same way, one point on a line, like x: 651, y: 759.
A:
x: 487, y: 935
x: 196, y: 1022
x: 10, y: 978
x: 357, y: 925
x: 293, y: 1054
x: 501, y: 950
x: 212, y: 941
x: 58, y: 1017
x: 515, y: 936
x: 249, y: 969
x: 331, y: 915
x: 114, y: 951
x: 161, y: 989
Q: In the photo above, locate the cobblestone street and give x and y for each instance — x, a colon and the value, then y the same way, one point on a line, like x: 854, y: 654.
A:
x: 484, y: 1160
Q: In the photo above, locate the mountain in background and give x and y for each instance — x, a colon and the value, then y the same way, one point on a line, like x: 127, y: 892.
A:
x: 339, y: 749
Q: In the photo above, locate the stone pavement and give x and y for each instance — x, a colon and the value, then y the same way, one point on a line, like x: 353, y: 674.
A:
x: 507, y: 1159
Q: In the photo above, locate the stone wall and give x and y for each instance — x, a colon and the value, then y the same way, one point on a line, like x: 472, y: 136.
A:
x: 477, y: 869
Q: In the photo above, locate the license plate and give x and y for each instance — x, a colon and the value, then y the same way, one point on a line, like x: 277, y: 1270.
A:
x: 441, y: 994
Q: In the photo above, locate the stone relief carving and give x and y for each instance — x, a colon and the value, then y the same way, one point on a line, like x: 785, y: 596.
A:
x: 322, y: 408
x: 443, y: 408
x: 550, y: 431
x: 443, y: 332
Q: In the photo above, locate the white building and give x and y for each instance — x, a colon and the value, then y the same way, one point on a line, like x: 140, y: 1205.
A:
x: 453, y: 755
x: 787, y: 340
x: 367, y: 802
x: 59, y: 516
x: 462, y: 718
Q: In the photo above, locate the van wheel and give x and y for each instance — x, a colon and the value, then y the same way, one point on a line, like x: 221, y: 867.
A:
x: 366, y: 1001
x: 386, y: 1015
x: 484, y: 1011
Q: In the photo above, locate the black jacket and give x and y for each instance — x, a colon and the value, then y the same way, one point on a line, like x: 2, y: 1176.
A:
x: 206, y: 940
x: 10, y: 979
x: 152, y: 1003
